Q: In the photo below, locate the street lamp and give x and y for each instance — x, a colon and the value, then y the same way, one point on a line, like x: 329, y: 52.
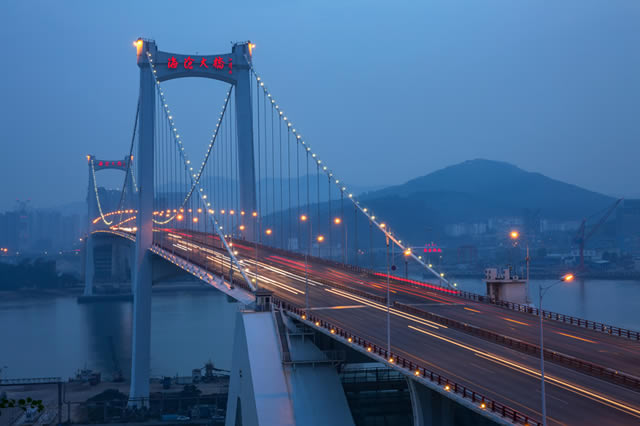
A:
x: 407, y: 253
x: 338, y: 221
x: 541, y: 292
x: 255, y: 237
x: 388, y: 297
x: 305, y: 218
x: 514, y: 236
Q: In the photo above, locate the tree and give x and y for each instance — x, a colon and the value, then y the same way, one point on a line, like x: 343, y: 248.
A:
x: 23, y: 404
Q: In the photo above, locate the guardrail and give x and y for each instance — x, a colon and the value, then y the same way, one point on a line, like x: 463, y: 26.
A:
x: 567, y: 319
x: 411, y: 368
x: 553, y: 356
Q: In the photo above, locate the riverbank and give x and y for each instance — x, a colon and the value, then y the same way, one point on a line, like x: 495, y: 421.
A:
x: 74, y: 396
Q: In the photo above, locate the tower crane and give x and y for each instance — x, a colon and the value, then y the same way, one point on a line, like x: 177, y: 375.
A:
x: 582, y: 236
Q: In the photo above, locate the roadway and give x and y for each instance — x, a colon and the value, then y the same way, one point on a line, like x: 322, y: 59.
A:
x: 496, y: 371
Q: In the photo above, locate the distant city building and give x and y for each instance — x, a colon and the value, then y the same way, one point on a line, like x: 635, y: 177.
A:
x: 547, y: 225
x: 39, y: 230
x: 460, y: 229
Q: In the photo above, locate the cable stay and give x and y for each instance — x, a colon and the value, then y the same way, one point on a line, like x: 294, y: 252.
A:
x: 333, y: 180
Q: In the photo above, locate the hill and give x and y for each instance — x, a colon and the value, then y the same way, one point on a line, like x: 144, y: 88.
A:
x: 478, y: 189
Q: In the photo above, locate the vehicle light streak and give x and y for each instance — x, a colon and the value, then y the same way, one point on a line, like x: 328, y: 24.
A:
x: 262, y: 277
x: 381, y: 307
x: 576, y: 337
x: 535, y: 373
x: 514, y: 321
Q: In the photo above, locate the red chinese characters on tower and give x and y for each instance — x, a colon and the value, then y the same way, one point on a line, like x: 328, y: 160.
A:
x: 218, y: 63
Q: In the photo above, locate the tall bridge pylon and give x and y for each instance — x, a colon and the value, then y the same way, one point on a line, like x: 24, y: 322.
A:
x: 157, y: 66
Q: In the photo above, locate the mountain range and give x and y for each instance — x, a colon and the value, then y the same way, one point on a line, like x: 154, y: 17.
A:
x: 475, y: 190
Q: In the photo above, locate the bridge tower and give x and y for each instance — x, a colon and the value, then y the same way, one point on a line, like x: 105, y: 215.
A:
x: 168, y: 66
x: 94, y: 211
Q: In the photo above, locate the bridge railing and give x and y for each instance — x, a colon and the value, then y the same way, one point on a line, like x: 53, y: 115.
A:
x: 567, y: 319
x: 574, y: 363
x: 410, y: 367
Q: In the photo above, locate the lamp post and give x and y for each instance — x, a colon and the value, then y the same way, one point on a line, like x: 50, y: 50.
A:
x: 514, y: 236
x: 541, y: 292
x: 383, y: 226
x: 305, y: 218
x: 338, y: 221
x: 255, y: 232
x: 407, y: 253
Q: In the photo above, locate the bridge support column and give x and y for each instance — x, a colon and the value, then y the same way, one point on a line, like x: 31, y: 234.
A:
x: 89, y: 266
x: 244, y: 122
x: 141, y: 353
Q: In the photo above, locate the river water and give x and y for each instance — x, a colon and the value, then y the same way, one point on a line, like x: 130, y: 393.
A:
x: 54, y: 336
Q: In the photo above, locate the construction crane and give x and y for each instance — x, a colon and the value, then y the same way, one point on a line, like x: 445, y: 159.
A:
x: 582, y: 236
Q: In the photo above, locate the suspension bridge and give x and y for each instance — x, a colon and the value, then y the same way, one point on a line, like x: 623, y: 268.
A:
x: 265, y: 220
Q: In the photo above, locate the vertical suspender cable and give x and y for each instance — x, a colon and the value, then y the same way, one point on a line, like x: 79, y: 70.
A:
x: 298, y: 190
x: 308, y: 204
x: 289, y: 183
x: 344, y: 228
x: 355, y: 230
x: 258, y: 157
x: 273, y: 169
x: 281, y: 177
x: 329, y: 214
x: 318, y: 198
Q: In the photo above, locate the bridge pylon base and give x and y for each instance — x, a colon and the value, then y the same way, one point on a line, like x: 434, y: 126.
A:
x: 278, y: 380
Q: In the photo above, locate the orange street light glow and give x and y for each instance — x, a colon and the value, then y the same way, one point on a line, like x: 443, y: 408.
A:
x: 568, y: 277
x: 303, y: 217
x: 254, y: 214
x: 268, y: 231
x: 195, y: 219
x: 320, y: 238
x: 407, y: 252
x: 337, y: 221
x: 179, y: 217
x: 242, y: 227
x: 514, y: 235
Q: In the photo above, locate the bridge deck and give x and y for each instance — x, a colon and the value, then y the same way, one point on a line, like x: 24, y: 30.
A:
x: 495, y: 370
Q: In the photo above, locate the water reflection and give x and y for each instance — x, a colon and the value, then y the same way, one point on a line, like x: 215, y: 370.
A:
x: 55, y: 336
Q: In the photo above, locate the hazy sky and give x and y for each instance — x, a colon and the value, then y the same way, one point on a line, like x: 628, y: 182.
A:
x: 384, y: 91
